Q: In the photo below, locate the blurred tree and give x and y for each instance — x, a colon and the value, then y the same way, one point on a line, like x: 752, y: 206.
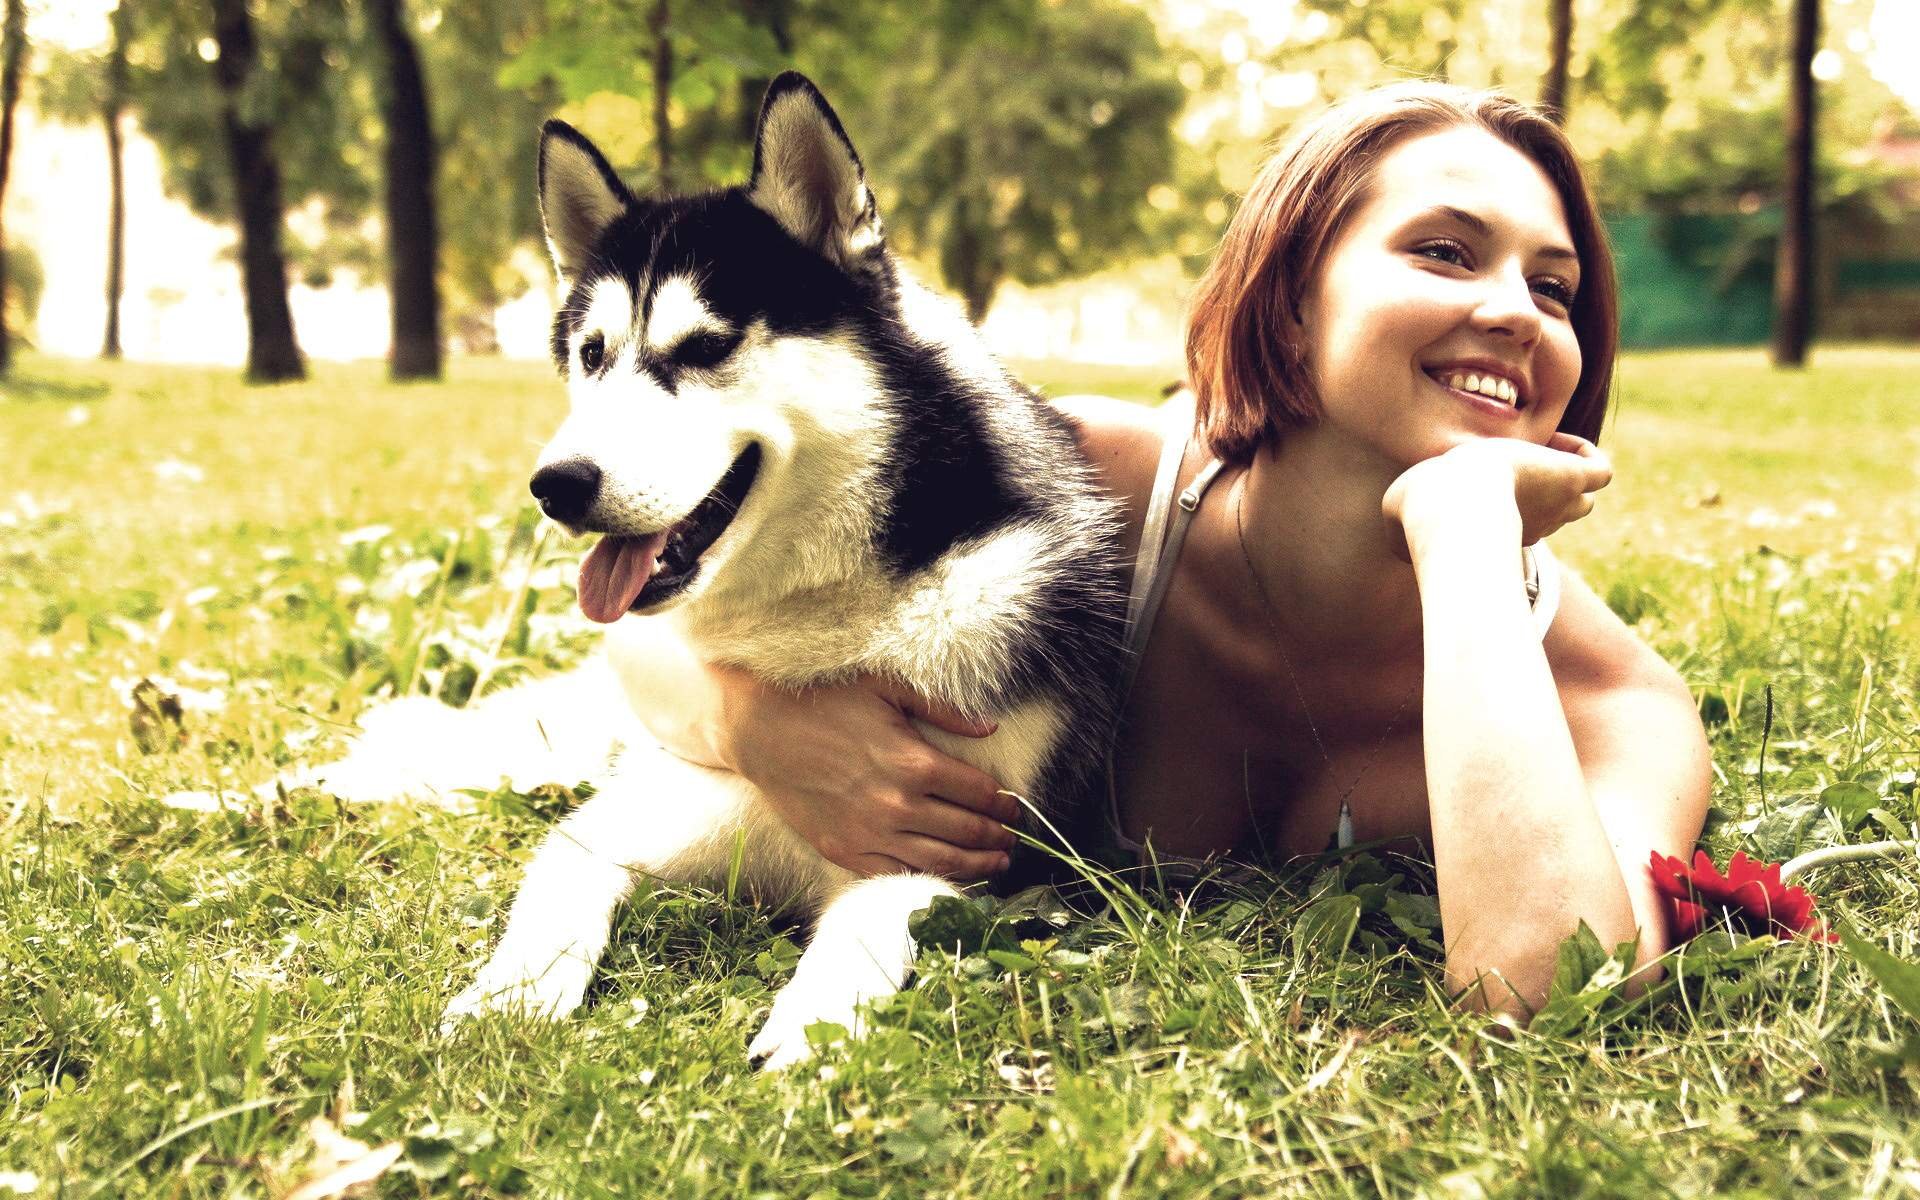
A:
x: 76, y: 87
x: 272, y: 352
x: 113, y: 109
x: 662, y: 93
x: 1553, y: 88
x: 299, y: 100
x: 1793, y: 269
x: 487, y: 141
x: 413, y: 239
x: 1025, y: 153
x: 13, y: 51
x: 1008, y: 138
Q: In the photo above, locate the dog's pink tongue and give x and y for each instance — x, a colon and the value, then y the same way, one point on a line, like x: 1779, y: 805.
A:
x: 614, y: 572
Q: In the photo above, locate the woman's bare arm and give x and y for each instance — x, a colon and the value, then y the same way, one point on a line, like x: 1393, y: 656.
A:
x: 1535, y: 830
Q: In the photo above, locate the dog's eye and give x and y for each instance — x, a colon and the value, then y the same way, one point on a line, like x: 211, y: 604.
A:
x: 593, y: 352
x: 704, y: 350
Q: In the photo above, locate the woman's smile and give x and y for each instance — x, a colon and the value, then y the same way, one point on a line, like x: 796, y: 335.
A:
x: 1467, y: 387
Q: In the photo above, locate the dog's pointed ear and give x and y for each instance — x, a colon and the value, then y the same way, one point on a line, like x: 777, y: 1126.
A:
x: 807, y: 176
x: 579, y: 196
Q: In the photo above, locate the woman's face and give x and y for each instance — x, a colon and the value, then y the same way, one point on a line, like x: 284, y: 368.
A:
x: 1440, y: 312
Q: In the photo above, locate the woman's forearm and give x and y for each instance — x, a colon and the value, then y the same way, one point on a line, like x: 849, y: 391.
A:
x: 1521, y: 854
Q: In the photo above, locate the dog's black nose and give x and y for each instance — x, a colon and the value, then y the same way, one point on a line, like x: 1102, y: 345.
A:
x: 566, y: 489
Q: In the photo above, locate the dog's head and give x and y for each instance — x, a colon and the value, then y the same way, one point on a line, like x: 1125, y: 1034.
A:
x: 703, y: 339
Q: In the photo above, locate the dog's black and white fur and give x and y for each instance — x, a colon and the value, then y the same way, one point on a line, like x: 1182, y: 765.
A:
x: 849, y: 484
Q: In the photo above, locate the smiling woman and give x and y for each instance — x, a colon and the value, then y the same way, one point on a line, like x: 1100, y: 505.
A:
x: 1344, y: 623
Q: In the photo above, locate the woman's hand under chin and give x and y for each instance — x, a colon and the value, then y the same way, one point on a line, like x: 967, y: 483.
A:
x: 1483, y: 485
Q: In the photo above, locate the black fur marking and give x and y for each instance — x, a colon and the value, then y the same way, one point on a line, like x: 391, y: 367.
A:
x: 951, y: 483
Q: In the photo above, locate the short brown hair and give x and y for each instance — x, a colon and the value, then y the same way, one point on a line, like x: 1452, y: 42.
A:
x: 1249, y: 378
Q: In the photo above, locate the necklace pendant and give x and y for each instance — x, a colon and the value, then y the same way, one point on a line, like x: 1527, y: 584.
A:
x: 1344, y: 837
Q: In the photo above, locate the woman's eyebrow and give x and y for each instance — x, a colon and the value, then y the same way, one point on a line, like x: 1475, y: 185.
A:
x: 1480, y: 227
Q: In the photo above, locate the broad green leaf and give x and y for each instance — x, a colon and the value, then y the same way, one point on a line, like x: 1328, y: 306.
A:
x: 1580, y: 956
x: 1779, y: 835
x: 1421, y: 911
x: 1850, y: 801
x: 949, y: 923
x: 1898, y: 978
x: 1327, y: 926
x: 1041, y: 904
x: 1180, y: 1020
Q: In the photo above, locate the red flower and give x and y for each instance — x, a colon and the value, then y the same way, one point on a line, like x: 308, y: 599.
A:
x: 1750, y: 893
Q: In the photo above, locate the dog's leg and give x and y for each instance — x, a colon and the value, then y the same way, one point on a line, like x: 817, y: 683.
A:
x: 860, y: 950
x: 557, y: 729
x: 659, y: 816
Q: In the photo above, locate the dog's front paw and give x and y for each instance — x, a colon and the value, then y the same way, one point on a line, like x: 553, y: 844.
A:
x: 545, y: 988
x: 783, y: 1041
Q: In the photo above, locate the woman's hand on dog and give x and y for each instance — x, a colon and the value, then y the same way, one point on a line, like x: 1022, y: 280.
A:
x: 846, y: 769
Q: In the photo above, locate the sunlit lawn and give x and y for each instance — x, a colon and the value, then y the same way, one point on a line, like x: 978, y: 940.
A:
x: 182, y: 993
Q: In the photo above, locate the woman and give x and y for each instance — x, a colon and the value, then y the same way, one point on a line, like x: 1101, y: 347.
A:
x: 1400, y: 361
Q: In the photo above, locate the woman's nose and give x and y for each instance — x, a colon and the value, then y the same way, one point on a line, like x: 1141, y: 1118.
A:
x: 1507, y: 305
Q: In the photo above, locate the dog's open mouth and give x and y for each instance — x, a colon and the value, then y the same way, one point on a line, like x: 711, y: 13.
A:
x: 623, y: 574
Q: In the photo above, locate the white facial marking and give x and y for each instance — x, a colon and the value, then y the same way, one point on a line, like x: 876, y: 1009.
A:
x: 677, y: 312
x: 609, y: 313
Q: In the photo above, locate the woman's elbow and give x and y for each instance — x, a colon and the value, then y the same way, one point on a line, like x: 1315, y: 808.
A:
x: 1515, y: 976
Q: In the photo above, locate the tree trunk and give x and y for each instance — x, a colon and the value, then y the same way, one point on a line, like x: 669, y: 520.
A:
x: 116, y: 104
x: 969, y: 264
x: 13, y: 52
x: 1553, y: 88
x: 1793, y: 272
x: 272, y: 353
x: 413, y: 239
x: 662, y: 91
x: 774, y: 16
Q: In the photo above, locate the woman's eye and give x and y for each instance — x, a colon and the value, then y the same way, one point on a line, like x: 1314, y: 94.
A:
x: 1557, y: 290
x: 706, y: 350
x: 593, y: 352
x: 1446, y: 252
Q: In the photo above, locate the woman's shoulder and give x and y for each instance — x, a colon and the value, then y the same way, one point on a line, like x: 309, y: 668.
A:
x: 1594, y: 654
x: 1123, y: 441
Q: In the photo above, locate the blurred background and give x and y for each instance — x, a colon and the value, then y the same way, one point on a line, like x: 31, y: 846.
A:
x: 257, y: 184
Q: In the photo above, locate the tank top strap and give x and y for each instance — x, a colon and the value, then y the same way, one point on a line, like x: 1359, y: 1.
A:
x: 1161, y: 536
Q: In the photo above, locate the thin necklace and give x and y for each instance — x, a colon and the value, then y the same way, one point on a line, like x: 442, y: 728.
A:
x: 1345, y: 836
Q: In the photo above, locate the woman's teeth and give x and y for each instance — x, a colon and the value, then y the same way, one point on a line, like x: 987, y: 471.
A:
x: 1491, y: 386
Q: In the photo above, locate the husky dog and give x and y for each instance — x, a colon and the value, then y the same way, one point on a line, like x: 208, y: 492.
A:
x: 802, y: 464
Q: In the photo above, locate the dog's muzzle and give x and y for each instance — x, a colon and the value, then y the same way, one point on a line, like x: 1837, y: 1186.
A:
x: 566, y: 489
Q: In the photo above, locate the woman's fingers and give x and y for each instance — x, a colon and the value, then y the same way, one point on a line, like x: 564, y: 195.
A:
x: 936, y: 857
x: 880, y: 864
x: 936, y: 713
x: 1571, y: 443
x: 935, y: 818
x: 1598, y: 466
x: 970, y: 788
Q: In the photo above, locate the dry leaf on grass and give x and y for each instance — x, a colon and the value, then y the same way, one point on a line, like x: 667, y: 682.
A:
x: 339, y: 1165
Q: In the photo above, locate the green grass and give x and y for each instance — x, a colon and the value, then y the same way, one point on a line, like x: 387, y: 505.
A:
x: 182, y: 993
